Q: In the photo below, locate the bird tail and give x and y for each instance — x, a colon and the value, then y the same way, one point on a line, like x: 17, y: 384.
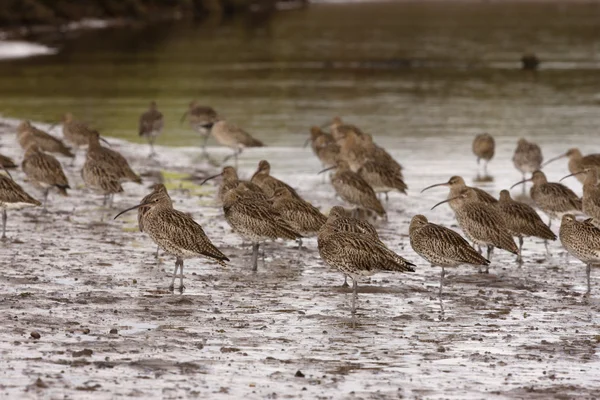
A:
x: 253, y: 142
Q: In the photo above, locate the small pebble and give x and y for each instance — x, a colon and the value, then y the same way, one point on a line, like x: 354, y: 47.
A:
x: 35, y: 335
x: 114, y: 331
x: 299, y: 374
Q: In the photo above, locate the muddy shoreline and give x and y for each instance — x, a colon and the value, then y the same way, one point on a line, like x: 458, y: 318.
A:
x: 91, y: 289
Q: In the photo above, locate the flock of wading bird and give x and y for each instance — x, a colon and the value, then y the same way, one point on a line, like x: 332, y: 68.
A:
x: 266, y: 208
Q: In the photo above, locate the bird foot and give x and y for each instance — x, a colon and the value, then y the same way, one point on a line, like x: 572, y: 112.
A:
x: 4, y: 239
x: 171, y: 288
x: 345, y: 285
x: 181, y: 288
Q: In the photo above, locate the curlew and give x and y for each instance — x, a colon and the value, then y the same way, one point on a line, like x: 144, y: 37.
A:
x: 324, y: 146
x: 255, y: 220
x: 234, y: 137
x: 590, y: 201
x: 175, y: 232
x: 353, y: 189
x: 13, y: 197
x: 484, y: 147
x: 150, y: 125
x: 143, y: 210
x: 528, y: 157
x: 341, y: 221
x: 230, y: 180
x: 577, y: 162
x: 113, y: 159
x: 481, y: 223
x: 101, y: 178
x: 457, y: 185
x: 339, y: 129
x: 582, y: 240
x: 77, y: 133
x: 262, y: 178
x: 522, y: 221
x: 302, y: 216
x: 7, y: 162
x: 201, y: 119
x: 44, y: 172
x: 356, y: 255
x: 554, y: 199
x: 382, y: 177
x: 28, y: 134
x: 441, y: 246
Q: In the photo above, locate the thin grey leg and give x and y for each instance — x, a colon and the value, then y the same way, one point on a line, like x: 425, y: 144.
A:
x: 550, y: 222
x: 588, y: 271
x: 45, y: 200
x: 299, y: 240
x: 485, y: 168
x: 520, y: 255
x: 345, y: 284
x: 442, y: 281
x: 4, y: 218
x: 255, y: 257
x: 354, y: 295
x: 181, y: 287
x: 172, y: 286
x: 204, y: 145
x: 156, y: 254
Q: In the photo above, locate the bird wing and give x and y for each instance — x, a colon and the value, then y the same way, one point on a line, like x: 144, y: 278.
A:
x: 45, y: 168
x: 258, y: 217
x: 12, y: 192
x: 591, y: 160
x: 447, y: 243
x: 563, y: 198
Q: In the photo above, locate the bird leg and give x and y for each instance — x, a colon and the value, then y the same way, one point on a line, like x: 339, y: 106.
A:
x: 588, y: 271
x: 442, y: 282
x: 45, y: 200
x: 490, y: 250
x: 156, y: 255
x: 485, y: 173
x: 520, y: 255
x: 550, y: 222
x: 386, y: 197
x: 255, y: 257
x: 345, y: 284
x: 524, y: 183
x: 299, y: 240
x: 204, y: 153
x: 354, y: 295
x: 4, y: 218
x: 181, y: 287
x: 172, y: 286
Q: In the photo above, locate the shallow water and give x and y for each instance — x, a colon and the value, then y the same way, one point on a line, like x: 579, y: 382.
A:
x: 426, y: 69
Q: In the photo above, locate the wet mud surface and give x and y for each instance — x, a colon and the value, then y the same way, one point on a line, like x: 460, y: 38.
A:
x: 86, y: 311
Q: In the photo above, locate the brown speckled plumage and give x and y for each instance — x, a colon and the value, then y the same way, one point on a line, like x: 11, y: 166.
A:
x: 262, y: 178
x: 100, y: 177
x: 255, y: 220
x: 484, y: 147
x: 554, y: 199
x: 151, y: 124
x: 340, y: 221
x: 353, y: 189
x: 482, y: 223
x: 457, y: 185
x: 7, y: 162
x: 324, y: 146
x: 527, y: 157
x: 112, y: 160
x: 27, y: 135
x: 578, y: 162
x: 176, y: 232
x: 201, y: 118
x: 230, y: 180
x: 382, y: 177
x: 302, y: 216
x: 44, y: 171
x: 582, y: 240
x: 356, y: 255
x: 13, y: 197
x: 75, y: 132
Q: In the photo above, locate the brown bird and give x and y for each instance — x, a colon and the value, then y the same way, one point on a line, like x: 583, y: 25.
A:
x: 143, y: 210
x: 262, y: 178
x: 442, y: 246
x: 175, y: 232
x: 234, y: 137
x: 230, y: 180
x: 150, y: 125
x: 202, y: 119
x: 77, y: 133
x: 44, y: 171
x: 522, y: 221
x: 527, y: 158
x: 339, y: 129
x: 382, y: 177
x: 302, y: 216
x: 582, y: 240
x: 577, y: 162
x: 13, y: 197
x: 457, y: 185
x: 482, y: 224
x: 102, y: 178
x: 324, y: 146
x: 484, y: 147
x: 554, y: 199
x: 353, y: 189
x: 6, y: 162
x: 357, y: 255
x: 27, y: 135
x: 113, y: 159
x: 340, y: 220
x: 255, y: 220
x: 591, y: 193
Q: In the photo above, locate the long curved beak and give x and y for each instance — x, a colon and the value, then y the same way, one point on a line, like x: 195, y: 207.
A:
x: 307, y: 142
x: 520, y: 182
x: 209, y: 178
x: 327, y: 169
x: 7, y: 173
x: 445, y: 201
x: 104, y: 141
x: 183, y: 117
x: 436, y: 185
x: 554, y: 159
x: 573, y: 174
x: 129, y: 209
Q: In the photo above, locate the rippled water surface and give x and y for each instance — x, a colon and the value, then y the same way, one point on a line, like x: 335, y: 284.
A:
x: 396, y: 69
